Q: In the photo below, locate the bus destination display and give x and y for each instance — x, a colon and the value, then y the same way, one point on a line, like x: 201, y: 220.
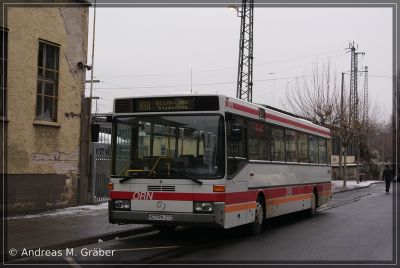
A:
x: 165, y: 105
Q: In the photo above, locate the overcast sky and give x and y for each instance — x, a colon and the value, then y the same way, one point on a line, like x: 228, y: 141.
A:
x: 142, y: 51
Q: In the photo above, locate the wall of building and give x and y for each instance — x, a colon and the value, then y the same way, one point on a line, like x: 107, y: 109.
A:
x: 43, y: 157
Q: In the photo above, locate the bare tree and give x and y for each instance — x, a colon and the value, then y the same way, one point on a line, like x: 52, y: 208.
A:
x: 319, y: 100
x: 316, y: 98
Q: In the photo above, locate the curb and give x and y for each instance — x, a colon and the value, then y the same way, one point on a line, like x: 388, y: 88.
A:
x: 355, y: 188
x: 85, y: 241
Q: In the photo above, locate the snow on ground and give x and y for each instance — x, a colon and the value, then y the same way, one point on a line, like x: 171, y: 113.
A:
x: 338, y: 185
x: 70, y: 211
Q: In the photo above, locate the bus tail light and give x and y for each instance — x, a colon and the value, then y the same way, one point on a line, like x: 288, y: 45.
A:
x: 219, y: 188
x: 110, y: 186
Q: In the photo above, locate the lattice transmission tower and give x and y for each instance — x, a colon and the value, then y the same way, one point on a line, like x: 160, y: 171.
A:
x: 366, y: 106
x: 245, y: 66
x: 354, y: 98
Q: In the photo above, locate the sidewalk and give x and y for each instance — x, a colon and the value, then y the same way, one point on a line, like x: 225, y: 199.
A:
x: 75, y: 226
x: 337, y: 186
x: 69, y: 227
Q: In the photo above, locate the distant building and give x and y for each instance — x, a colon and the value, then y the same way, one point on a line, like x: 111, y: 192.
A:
x: 351, y: 163
x: 42, y: 88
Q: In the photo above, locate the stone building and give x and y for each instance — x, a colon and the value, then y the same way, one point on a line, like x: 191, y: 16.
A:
x: 42, y: 88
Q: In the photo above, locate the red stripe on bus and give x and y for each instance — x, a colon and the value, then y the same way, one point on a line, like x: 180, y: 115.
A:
x: 245, y: 109
x: 216, y: 197
x: 228, y: 198
x: 274, y: 192
x: 120, y: 195
x: 240, y: 197
x: 296, y: 124
x: 302, y: 189
x: 280, y: 119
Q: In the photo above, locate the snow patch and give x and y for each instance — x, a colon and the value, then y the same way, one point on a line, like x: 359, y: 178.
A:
x: 338, y: 185
x: 78, y: 210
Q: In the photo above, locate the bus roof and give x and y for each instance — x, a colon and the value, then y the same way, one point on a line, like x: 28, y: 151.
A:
x: 236, y: 106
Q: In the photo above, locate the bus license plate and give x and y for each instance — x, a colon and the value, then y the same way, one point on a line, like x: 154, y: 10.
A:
x: 160, y: 217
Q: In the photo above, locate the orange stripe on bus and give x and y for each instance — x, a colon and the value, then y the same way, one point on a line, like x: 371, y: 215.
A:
x: 243, y: 206
x: 288, y: 199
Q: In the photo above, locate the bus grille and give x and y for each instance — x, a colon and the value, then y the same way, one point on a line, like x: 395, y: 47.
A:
x: 161, y: 188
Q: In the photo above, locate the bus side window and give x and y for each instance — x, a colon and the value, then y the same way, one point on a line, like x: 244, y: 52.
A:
x: 302, y: 147
x: 277, y: 144
x: 237, y: 144
x: 329, y: 150
x: 258, y: 143
x: 313, y: 148
x: 322, y: 151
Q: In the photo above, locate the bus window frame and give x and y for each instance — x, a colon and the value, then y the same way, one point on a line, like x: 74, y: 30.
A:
x: 231, y: 116
x: 222, y: 128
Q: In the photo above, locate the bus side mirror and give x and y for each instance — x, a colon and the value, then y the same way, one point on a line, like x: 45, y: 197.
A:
x: 95, y: 130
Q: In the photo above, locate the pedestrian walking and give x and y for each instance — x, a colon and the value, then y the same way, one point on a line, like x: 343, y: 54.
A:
x: 388, y: 177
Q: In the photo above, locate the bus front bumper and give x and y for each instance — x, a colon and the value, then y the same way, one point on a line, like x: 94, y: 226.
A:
x: 190, y: 219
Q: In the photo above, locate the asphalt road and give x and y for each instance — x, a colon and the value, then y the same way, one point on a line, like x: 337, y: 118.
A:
x: 356, y: 227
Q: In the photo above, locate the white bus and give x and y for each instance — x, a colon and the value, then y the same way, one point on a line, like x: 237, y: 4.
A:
x: 213, y: 160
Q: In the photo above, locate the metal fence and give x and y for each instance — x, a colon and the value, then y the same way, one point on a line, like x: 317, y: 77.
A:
x: 100, y: 163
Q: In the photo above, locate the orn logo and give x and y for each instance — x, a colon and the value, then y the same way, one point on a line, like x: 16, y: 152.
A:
x: 142, y: 195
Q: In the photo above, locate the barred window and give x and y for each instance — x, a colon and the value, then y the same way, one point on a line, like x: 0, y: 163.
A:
x: 47, y: 83
x: 3, y: 71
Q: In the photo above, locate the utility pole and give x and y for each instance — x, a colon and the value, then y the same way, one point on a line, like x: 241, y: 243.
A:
x: 89, y: 153
x: 245, y: 66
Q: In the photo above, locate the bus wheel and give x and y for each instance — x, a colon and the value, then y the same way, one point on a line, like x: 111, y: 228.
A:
x: 313, y: 210
x: 256, y: 227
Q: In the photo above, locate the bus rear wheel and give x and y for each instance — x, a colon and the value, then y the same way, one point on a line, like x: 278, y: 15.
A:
x: 313, y: 210
x: 257, y: 227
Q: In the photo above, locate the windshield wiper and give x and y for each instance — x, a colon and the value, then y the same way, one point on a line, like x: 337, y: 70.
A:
x: 126, y: 178
x: 178, y: 172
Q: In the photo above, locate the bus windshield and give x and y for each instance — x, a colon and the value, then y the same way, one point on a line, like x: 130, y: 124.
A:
x: 168, y: 146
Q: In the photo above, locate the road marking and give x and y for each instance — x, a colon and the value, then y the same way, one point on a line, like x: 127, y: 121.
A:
x: 136, y: 249
x: 72, y: 262
x: 136, y: 236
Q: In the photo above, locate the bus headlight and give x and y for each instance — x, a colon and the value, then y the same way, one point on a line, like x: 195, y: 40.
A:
x: 203, y: 207
x: 122, y: 204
